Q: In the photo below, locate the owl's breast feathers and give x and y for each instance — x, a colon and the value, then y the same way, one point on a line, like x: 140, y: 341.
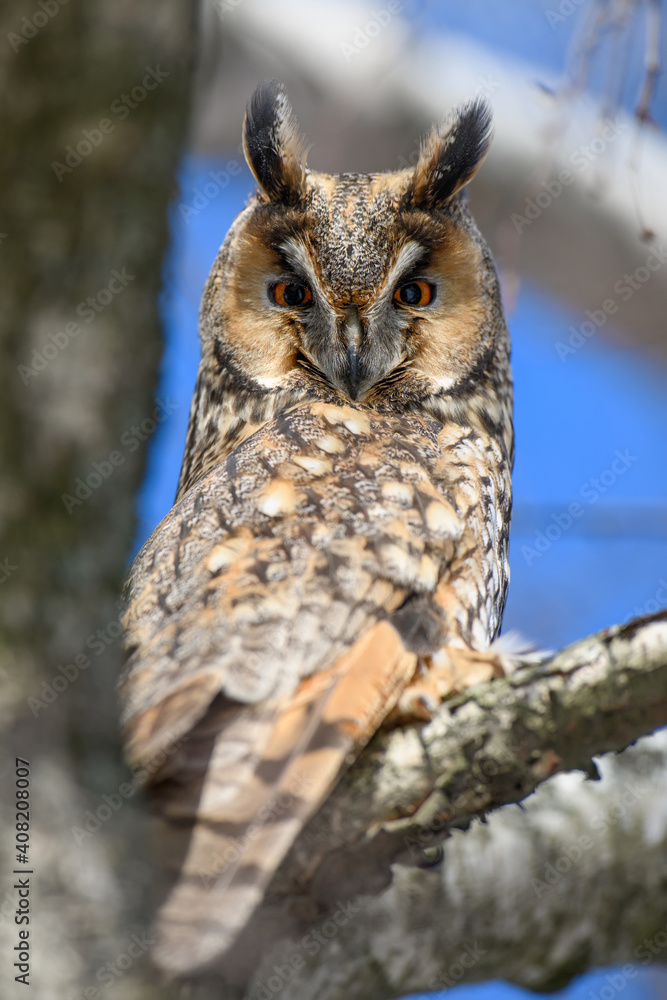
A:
x: 275, y: 616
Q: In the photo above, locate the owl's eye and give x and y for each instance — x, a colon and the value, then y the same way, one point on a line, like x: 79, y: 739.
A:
x: 416, y: 293
x: 287, y: 293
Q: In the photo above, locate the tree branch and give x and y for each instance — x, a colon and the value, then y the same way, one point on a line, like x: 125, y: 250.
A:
x: 414, y: 787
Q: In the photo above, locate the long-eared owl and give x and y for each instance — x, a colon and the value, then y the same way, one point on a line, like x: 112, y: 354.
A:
x: 340, y: 530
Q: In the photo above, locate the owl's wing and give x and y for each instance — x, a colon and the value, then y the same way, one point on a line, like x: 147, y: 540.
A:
x: 260, y: 653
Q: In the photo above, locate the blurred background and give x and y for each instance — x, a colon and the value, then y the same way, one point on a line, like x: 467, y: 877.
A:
x: 120, y: 173
x: 575, y: 86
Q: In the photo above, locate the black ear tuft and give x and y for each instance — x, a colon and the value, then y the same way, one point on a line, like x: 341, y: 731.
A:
x: 273, y: 145
x: 451, y: 155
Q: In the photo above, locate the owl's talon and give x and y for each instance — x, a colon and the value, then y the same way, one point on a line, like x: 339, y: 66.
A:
x: 417, y: 703
x: 444, y: 675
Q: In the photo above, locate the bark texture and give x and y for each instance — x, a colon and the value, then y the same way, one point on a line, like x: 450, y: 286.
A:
x: 95, y: 100
x: 572, y: 881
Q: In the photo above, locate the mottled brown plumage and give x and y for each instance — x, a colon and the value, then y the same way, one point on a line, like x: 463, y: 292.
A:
x: 342, y: 514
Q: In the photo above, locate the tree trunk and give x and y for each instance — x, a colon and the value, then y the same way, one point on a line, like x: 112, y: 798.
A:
x: 95, y: 106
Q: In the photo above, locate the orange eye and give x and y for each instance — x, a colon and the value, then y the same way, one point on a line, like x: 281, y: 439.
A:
x: 287, y: 293
x: 416, y: 293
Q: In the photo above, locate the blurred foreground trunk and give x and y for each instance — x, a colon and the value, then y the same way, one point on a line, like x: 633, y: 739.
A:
x: 96, y: 97
x: 96, y: 101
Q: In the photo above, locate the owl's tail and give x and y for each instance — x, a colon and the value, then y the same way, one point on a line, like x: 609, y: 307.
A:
x: 245, y: 795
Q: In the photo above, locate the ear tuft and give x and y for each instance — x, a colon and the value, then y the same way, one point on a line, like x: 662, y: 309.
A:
x: 274, y: 147
x: 451, y: 155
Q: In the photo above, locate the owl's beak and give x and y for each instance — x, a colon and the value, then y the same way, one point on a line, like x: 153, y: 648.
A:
x: 353, y: 373
x: 352, y: 334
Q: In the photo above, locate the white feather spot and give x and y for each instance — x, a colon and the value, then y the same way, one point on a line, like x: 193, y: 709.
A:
x: 358, y: 424
x: 398, y: 564
x: 332, y: 445
x: 278, y: 497
x: 428, y: 573
x: 400, y: 493
x: 226, y: 553
x: 442, y: 520
x: 316, y: 466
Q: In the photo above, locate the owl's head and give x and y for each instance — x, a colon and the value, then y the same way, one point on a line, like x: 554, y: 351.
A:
x: 371, y: 288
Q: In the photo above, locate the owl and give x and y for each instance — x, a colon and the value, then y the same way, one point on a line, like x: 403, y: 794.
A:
x: 338, y: 545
